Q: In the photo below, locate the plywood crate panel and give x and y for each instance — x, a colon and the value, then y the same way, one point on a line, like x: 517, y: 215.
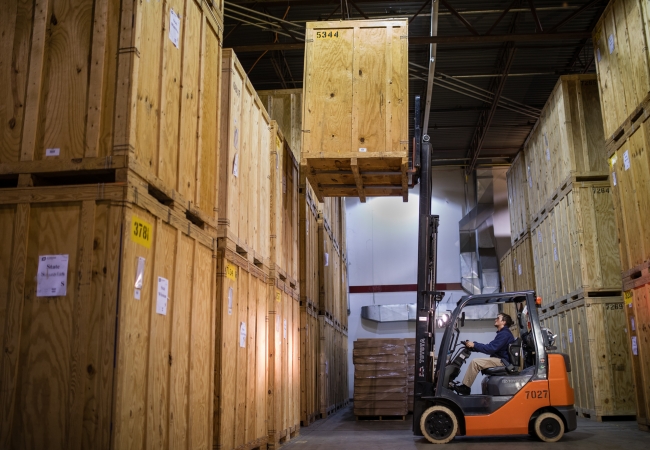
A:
x: 241, y: 358
x: 101, y: 85
x: 333, y: 368
x: 284, y: 209
x: 566, y: 144
x: 622, y: 60
x: 283, y: 406
x: 329, y: 275
x: 637, y: 312
x: 309, y: 365
x: 592, y: 331
x: 104, y: 365
x: 309, y: 247
x: 574, y: 245
x: 355, y: 108
x: 518, y: 198
x: 285, y: 107
x: 522, y: 265
x: 507, y: 272
x: 244, y: 165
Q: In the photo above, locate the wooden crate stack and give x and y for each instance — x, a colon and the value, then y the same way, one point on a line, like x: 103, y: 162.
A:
x: 518, y: 198
x: 380, y: 378
x: 285, y: 107
x: 96, y: 196
x: 410, y: 372
x: 356, y: 145
x: 571, y: 245
x: 623, y: 65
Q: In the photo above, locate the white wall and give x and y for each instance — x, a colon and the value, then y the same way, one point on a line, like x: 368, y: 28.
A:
x: 382, y: 247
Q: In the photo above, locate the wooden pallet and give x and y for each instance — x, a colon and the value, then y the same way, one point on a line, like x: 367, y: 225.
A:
x: 580, y: 295
x: 381, y: 418
x: 636, y: 277
x: 640, y: 114
x: 283, y: 437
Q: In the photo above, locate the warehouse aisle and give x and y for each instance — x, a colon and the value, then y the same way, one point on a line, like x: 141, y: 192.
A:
x: 341, y: 431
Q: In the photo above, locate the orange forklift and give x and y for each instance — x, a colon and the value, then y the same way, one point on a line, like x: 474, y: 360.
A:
x: 530, y: 394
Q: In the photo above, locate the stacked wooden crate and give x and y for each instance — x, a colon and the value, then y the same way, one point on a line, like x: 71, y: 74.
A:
x: 380, y: 378
x: 108, y: 260
x: 285, y: 107
x: 623, y: 64
x: 518, y: 198
x: 355, y: 108
x: 572, y: 225
x: 410, y: 371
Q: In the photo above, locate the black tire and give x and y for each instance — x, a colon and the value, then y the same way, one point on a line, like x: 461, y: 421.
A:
x: 549, y: 427
x: 439, y: 424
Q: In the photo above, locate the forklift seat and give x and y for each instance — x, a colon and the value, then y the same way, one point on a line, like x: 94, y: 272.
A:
x: 509, y: 367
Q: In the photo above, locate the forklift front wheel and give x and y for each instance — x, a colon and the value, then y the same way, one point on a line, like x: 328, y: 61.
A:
x: 439, y: 424
x: 549, y: 427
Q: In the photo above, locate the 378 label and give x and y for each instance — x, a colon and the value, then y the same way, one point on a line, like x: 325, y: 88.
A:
x: 141, y: 232
x: 231, y: 272
x: 327, y: 34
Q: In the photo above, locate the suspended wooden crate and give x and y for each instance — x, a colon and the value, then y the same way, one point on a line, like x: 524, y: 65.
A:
x: 241, y: 364
x: 566, y: 144
x: 637, y: 311
x: 101, y: 86
x: 355, y: 108
x: 244, y: 165
x: 285, y: 107
x: 574, y: 245
x: 112, y: 347
x: 622, y: 62
x: 518, y: 198
x: 283, y: 407
x: 284, y: 209
x: 592, y: 332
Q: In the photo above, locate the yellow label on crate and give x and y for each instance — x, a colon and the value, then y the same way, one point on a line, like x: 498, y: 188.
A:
x: 628, y: 297
x: 278, y: 143
x: 141, y: 232
x: 278, y: 296
x: 231, y: 272
x: 612, y: 161
x: 331, y: 34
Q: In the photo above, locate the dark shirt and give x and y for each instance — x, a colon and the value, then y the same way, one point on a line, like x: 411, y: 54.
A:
x: 498, y: 348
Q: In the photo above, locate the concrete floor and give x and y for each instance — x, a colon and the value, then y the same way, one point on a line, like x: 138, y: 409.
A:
x: 342, y: 431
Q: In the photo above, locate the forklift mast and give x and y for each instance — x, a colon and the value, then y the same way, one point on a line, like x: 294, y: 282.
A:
x: 427, y: 296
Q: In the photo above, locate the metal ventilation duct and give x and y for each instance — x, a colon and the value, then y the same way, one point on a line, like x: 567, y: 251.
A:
x: 389, y: 313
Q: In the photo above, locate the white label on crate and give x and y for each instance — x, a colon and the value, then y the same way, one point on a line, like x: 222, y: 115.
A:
x: 327, y: 366
x: 363, y: 149
x: 570, y: 336
x: 235, y: 165
x: 555, y: 253
x: 519, y: 269
x: 242, y: 335
x: 174, y: 27
x: 52, y: 151
x: 327, y: 259
x: 530, y: 179
x: 52, y: 277
x: 277, y: 161
x: 635, y: 350
x: 510, y: 200
x: 598, y: 54
x: 545, y: 140
x: 632, y: 323
x: 610, y: 43
x: 285, y: 328
x: 136, y: 294
x: 548, y: 154
x: 139, y: 273
x: 539, y: 235
x: 553, y: 236
x: 614, y: 178
x: 163, y: 296
x: 230, y: 301
x: 626, y: 159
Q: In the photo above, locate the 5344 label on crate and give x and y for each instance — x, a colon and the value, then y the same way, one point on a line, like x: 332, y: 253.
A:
x: 327, y: 34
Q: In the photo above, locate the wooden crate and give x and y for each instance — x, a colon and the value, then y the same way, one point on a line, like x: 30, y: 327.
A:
x: 566, y: 144
x: 505, y: 269
x: 333, y: 391
x: 284, y: 209
x: 245, y: 165
x: 637, y: 311
x: 309, y: 247
x: 355, y: 108
x: 518, y: 198
x: 592, y: 332
x: 329, y: 274
x: 574, y: 245
x: 309, y: 365
x: 622, y: 60
x: 240, y: 393
x: 285, y: 107
x: 100, y: 366
x: 283, y: 406
x: 345, y: 292
x: 98, y: 85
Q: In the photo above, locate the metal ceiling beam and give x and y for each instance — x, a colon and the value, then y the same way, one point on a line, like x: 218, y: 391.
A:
x: 572, y: 16
x: 426, y: 2
x: 432, y: 65
x: 538, y: 24
x: 359, y: 9
x: 459, y: 17
x: 503, y: 14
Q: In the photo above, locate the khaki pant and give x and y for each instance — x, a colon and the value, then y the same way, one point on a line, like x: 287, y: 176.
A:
x: 476, y: 366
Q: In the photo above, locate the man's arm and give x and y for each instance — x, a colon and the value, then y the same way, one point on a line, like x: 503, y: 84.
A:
x: 499, y: 342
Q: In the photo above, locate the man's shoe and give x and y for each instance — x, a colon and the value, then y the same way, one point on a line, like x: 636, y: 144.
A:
x: 461, y: 389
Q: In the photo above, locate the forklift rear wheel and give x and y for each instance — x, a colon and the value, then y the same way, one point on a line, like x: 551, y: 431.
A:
x: 439, y: 424
x: 549, y: 427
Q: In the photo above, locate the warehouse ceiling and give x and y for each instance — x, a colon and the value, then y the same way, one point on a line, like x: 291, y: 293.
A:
x: 496, y: 61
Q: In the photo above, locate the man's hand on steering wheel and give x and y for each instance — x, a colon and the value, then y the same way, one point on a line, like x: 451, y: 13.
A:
x: 469, y: 344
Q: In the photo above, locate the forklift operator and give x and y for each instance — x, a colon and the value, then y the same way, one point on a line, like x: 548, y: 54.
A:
x: 497, y: 349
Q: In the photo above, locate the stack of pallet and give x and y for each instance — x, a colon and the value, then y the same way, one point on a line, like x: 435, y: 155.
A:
x: 571, y: 221
x: 380, y: 378
x: 109, y: 231
x: 410, y: 371
x: 623, y: 65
